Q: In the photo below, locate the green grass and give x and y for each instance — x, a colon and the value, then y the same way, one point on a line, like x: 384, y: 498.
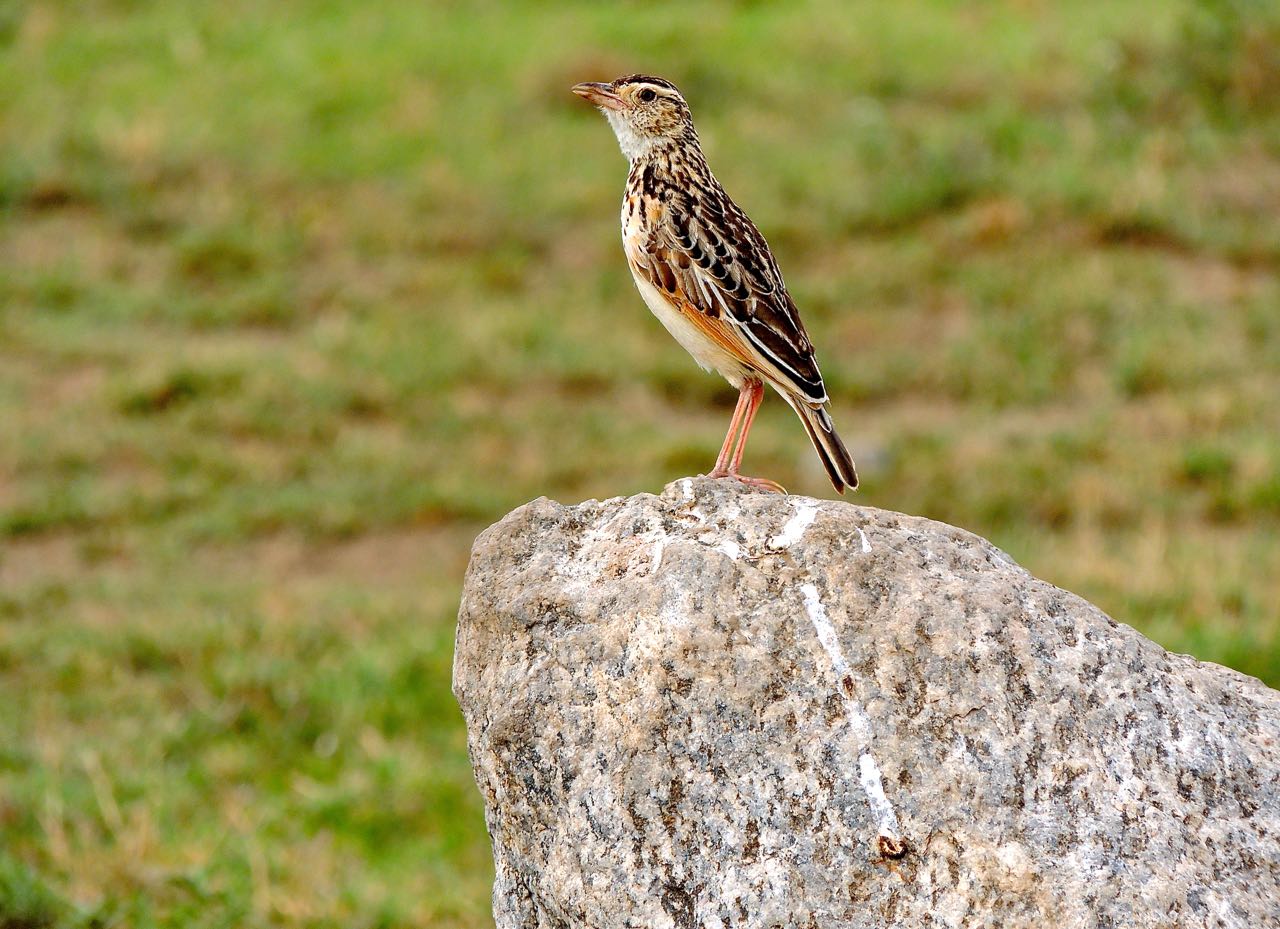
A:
x: 294, y: 301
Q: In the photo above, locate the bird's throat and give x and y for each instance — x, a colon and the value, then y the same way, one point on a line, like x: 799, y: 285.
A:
x: 634, y: 145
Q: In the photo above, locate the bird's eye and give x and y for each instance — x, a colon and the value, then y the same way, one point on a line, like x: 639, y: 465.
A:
x: 647, y: 95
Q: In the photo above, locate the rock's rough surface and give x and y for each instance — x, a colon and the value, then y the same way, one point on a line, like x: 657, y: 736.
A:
x: 717, y: 708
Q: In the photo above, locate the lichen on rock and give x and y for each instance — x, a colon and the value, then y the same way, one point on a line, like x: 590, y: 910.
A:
x: 718, y: 708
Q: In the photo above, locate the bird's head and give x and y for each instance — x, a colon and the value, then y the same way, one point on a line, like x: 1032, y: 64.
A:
x: 645, y: 112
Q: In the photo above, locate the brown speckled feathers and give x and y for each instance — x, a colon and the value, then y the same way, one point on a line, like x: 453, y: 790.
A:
x: 698, y: 246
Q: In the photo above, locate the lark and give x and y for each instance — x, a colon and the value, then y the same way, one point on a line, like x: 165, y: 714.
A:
x: 707, y: 273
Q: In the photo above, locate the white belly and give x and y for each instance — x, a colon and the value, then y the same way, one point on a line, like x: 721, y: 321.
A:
x: 704, y: 351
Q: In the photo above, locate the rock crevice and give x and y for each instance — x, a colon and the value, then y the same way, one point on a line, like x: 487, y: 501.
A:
x: 717, y: 708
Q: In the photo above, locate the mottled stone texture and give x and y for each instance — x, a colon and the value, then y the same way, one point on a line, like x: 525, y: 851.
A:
x: 720, y: 708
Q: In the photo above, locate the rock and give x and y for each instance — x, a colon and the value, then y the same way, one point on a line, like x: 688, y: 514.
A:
x: 719, y: 708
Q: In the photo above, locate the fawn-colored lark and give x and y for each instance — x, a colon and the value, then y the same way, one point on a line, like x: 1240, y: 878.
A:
x: 707, y: 273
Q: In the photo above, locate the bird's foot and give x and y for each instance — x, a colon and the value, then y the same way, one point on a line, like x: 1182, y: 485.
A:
x: 760, y: 483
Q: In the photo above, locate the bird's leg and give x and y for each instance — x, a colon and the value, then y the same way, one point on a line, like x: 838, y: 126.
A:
x: 756, y: 394
x: 726, y: 450
x: 750, y: 396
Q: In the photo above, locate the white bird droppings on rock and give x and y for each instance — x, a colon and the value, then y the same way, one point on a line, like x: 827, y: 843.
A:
x: 860, y: 727
x: 806, y: 511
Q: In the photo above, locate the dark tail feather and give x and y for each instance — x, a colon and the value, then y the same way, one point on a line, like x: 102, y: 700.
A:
x: 822, y: 433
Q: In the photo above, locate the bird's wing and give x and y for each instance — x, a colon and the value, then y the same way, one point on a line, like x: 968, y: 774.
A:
x: 707, y: 254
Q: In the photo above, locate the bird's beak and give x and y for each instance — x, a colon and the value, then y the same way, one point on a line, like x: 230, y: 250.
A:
x: 601, y: 95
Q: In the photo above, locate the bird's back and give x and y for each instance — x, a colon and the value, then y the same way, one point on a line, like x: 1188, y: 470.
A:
x: 687, y: 238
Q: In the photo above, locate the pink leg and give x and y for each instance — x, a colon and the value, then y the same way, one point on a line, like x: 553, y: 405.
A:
x: 722, y: 460
x: 749, y: 399
x: 757, y: 397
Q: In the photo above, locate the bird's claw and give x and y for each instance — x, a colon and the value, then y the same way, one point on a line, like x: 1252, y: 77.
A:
x: 761, y: 483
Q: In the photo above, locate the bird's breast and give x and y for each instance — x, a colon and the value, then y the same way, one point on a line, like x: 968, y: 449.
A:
x: 640, y: 216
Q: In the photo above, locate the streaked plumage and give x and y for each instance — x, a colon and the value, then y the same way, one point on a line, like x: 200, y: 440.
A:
x: 707, y: 273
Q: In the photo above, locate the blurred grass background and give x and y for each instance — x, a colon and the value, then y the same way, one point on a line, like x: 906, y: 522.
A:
x: 295, y: 298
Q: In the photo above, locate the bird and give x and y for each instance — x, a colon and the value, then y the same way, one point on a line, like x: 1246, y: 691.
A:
x: 707, y: 273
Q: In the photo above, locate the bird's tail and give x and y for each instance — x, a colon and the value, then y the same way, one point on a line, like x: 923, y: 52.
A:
x: 822, y: 433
